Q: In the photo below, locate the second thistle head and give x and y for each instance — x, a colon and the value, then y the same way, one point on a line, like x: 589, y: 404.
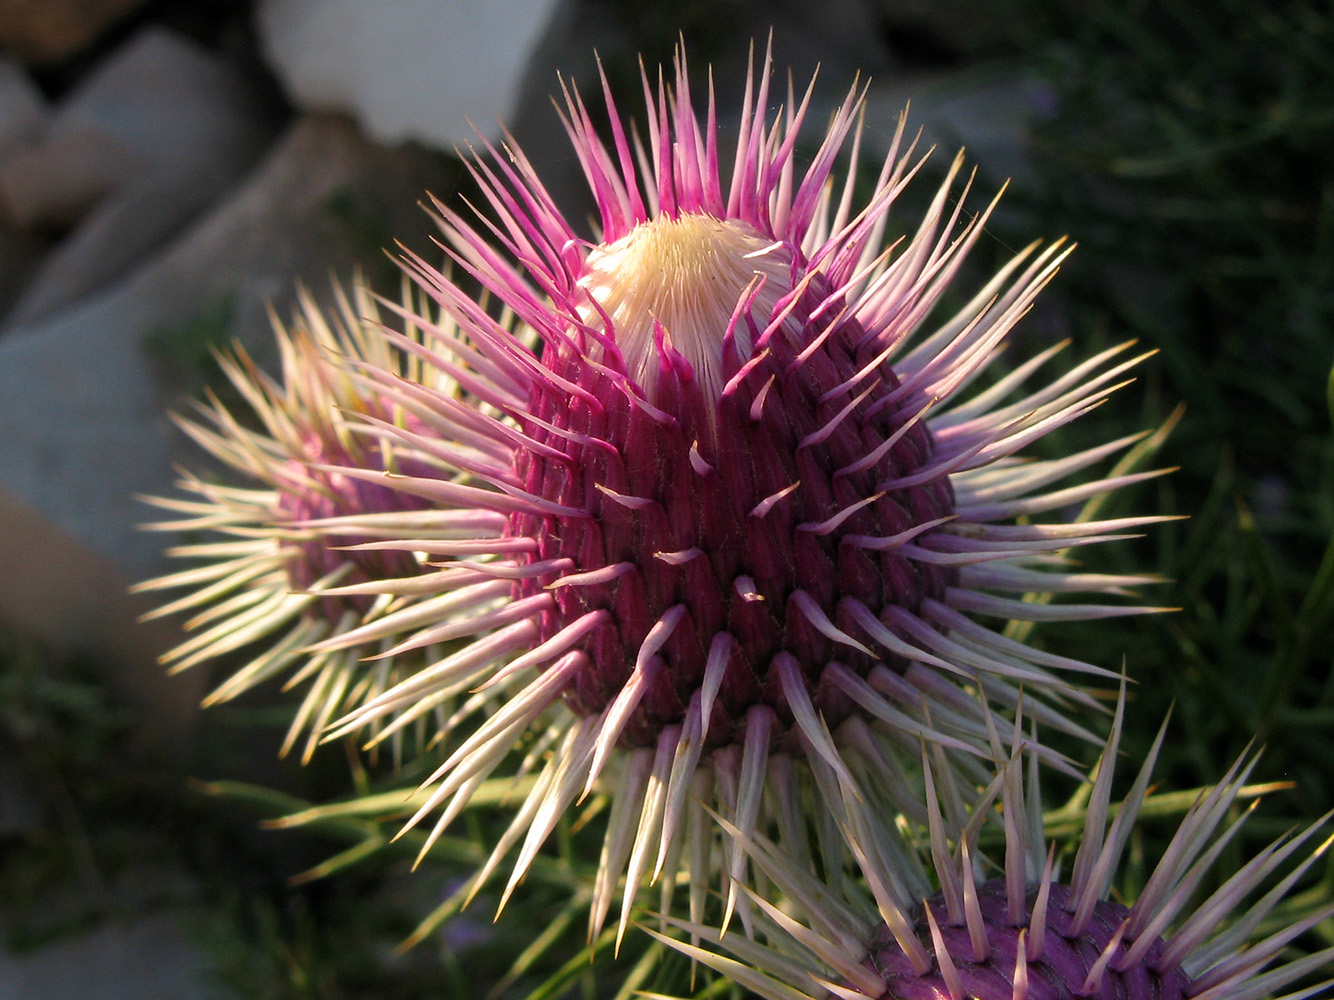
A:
x: 939, y: 916
x: 275, y: 570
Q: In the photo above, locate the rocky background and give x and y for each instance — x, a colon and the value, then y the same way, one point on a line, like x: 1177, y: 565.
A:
x: 172, y: 170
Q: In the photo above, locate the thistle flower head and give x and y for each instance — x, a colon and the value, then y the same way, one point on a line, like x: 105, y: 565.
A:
x: 284, y: 574
x: 940, y: 921
x: 711, y: 496
x: 723, y: 496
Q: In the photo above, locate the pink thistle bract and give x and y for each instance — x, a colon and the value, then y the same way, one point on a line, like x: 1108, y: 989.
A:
x: 285, y: 576
x: 728, y: 499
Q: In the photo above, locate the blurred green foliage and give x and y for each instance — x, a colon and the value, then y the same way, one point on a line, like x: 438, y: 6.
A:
x: 1188, y: 154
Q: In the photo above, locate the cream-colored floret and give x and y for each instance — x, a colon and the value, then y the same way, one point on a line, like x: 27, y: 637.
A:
x: 688, y: 274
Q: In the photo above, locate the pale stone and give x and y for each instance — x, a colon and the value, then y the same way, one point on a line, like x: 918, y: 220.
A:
x: 150, y: 139
x: 23, y: 109
x: 151, y: 956
x: 414, y: 69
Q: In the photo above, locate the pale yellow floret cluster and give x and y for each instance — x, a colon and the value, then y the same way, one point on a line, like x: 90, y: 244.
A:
x: 688, y: 273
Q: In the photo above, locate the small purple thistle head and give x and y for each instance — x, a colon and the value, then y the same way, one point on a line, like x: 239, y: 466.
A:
x: 315, y: 424
x: 1061, y: 966
x: 313, y: 488
x: 925, y: 923
x: 283, y: 570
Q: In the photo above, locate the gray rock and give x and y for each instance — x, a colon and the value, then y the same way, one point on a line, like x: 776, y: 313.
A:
x: 54, y: 182
x: 413, y: 69
x: 160, y: 94
x: 151, y: 956
x: 147, y: 142
x: 988, y: 111
x: 23, y: 109
x: 83, y: 425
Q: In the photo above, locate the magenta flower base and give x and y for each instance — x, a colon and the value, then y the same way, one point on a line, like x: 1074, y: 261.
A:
x: 737, y: 528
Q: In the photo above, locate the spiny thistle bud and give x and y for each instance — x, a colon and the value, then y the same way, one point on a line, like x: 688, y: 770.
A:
x: 285, y: 574
x: 730, y: 502
x: 1032, y: 932
x: 712, y: 494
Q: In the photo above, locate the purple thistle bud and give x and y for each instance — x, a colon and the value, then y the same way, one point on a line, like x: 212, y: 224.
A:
x: 1059, y: 969
x: 313, y: 488
x: 287, y: 573
x: 1034, y: 932
x: 717, y: 493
